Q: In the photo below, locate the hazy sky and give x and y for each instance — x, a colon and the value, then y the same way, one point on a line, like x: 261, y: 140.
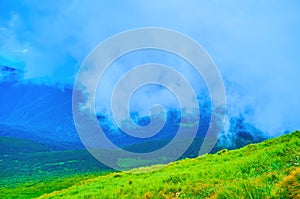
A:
x: 255, y: 44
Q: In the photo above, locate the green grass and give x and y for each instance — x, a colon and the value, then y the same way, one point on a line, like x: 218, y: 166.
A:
x: 256, y: 171
x: 29, y: 169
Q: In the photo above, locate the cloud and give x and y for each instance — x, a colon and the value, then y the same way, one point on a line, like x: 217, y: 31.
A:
x: 254, y: 44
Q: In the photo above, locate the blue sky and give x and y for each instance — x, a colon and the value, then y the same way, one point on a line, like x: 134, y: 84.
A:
x: 255, y: 45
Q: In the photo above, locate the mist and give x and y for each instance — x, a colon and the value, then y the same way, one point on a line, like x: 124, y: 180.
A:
x: 255, y: 45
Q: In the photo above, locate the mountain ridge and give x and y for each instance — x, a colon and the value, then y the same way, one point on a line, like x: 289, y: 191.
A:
x: 43, y: 113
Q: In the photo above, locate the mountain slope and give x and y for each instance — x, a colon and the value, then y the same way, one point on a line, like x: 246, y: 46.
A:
x: 255, y: 171
x: 43, y: 113
x: 11, y: 145
x: 30, y: 169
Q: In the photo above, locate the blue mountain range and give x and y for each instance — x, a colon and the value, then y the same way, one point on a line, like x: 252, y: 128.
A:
x: 43, y: 113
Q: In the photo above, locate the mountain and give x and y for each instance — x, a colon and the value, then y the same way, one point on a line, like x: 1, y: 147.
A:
x: 10, y: 74
x: 240, y: 133
x: 10, y: 145
x: 37, y: 112
x: 266, y: 170
x: 43, y: 113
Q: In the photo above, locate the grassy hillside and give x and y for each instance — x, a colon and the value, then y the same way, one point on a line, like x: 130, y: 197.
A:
x: 30, y: 169
x: 266, y: 170
x: 11, y: 145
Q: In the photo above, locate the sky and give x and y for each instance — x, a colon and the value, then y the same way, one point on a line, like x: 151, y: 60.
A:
x: 255, y: 45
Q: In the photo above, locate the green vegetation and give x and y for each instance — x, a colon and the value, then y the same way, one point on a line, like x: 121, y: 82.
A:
x: 10, y: 145
x: 289, y: 186
x: 266, y: 170
x: 29, y: 169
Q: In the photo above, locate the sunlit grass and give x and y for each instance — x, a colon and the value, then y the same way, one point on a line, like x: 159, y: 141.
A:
x: 255, y: 171
x: 31, y: 174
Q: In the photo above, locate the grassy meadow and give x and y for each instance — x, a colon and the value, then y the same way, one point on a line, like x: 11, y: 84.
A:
x: 29, y: 169
x: 266, y: 170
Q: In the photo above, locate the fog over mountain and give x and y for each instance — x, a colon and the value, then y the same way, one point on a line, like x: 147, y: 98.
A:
x: 255, y: 46
x: 43, y: 113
